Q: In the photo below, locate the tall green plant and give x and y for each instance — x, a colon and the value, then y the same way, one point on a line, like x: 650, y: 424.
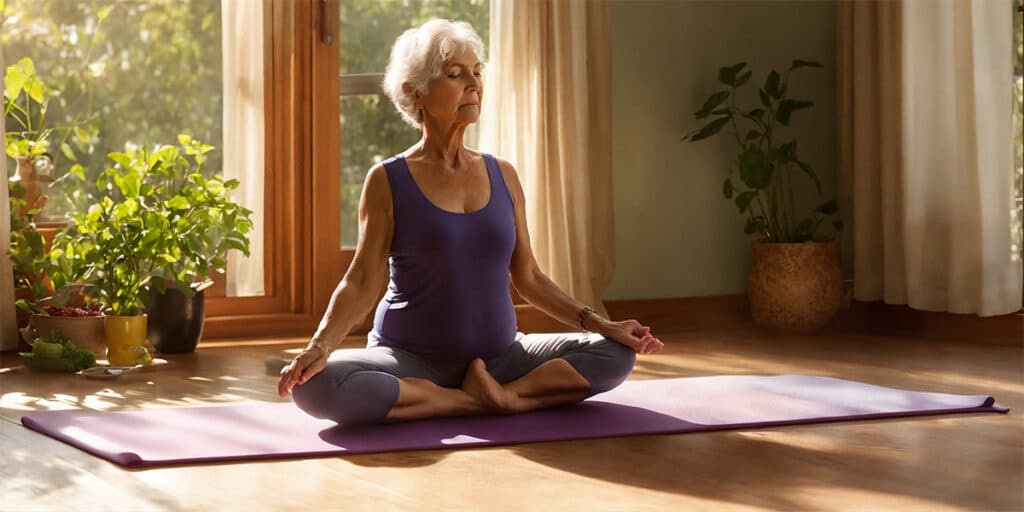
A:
x: 28, y: 248
x: 204, y: 222
x: 764, y: 165
x: 157, y: 219
x: 123, y: 236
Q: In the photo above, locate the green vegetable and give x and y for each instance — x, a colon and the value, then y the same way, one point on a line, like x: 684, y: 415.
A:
x: 43, y: 349
x: 60, y: 348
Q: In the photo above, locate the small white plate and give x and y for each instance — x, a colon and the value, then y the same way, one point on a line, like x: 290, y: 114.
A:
x: 107, y: 372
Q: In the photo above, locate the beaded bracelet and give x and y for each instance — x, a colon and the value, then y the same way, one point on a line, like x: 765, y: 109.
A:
x: 583, y: 314
x: 325, y: 350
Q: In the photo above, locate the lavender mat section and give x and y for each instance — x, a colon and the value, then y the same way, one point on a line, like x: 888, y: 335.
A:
x: 265, y: 430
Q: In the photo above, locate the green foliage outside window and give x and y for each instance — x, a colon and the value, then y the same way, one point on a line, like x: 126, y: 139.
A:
x: 121, y: 73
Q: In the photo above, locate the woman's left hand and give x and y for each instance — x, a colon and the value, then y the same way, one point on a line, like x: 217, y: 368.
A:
x: 634, y: 335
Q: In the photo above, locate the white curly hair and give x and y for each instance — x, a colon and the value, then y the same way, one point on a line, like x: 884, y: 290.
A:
x: 419, y: 54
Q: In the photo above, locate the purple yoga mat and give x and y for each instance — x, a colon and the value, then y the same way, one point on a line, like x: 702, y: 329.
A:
x: 265, y: 430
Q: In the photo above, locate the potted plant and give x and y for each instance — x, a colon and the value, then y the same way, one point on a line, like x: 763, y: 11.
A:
x: 204, y: 223
x: 27, y: 251
x: 186, y: 224
x: 49, y: 281
x: 125, y: 239
x: 26, y: 99
x: 795, y: 281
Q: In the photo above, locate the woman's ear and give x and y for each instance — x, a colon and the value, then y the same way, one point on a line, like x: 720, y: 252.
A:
x: 408, y: 88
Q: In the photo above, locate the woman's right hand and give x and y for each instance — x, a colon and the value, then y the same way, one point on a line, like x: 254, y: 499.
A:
x: 307, y: 364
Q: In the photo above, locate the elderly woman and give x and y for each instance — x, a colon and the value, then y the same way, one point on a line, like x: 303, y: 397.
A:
x: 451, y: 221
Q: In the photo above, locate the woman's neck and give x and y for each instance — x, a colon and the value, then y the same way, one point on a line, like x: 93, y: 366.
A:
x: 441, y: 145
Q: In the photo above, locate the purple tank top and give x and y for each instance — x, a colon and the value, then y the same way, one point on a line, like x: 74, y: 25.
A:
x: 449, y: 291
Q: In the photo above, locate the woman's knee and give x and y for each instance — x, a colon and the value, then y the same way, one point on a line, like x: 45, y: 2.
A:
x: 348, y: 398
x: 606, y: 364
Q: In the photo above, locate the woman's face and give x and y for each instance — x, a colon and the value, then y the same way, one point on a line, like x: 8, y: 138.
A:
x: 454, y: 97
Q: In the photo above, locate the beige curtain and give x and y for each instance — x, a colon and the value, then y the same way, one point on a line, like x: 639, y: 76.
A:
x: 547, y: 109
x: 242, y: 43
x: 8, y: 322
x: 926, y: 152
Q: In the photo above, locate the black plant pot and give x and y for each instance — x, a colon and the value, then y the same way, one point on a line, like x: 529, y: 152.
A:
x: 175, y: 321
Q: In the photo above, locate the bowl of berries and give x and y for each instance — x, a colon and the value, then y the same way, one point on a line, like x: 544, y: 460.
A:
x: 82, y: 325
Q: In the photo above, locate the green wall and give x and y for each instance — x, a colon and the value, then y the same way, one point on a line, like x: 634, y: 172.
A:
x: 676, y: 234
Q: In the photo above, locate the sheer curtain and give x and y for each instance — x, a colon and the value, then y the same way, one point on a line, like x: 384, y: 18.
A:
x: 242, y: 42
x: 8, y: 322
x: 926, y: 152
x: 547, y: 109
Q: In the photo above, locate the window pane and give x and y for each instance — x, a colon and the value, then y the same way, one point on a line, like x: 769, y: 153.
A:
x: 371, y: 128
x: 140, y: 75
x: 123, y: 74
x: 368, y: 28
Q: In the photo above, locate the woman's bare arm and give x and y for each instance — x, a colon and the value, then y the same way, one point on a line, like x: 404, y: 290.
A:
x: 531, y: 283
x: 357, y: 291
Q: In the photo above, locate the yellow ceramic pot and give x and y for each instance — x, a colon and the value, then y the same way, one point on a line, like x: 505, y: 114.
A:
x: 123, y: 335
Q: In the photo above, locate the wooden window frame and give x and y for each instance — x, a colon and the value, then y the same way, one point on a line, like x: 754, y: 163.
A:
x: 299, y: 273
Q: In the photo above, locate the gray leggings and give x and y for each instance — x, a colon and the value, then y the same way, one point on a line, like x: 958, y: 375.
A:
x: 360, y: 386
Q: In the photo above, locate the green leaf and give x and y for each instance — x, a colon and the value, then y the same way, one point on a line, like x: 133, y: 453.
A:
x: 713, y: 101
x: 771, y: 85
x: 765, y: 99
x: 805, y: 64
x: 27, y: 65
x: 742, y: 79
x: 755, y: 168
x: 757, y: 113
x: 727, y: 74
x: 178, y: 203
x: 727, y: 188
x: 786, y: 107
x: 68, y: 152
x: 829, y: 207
x: 129, y: 182
x: 168, y: 258
x: 82, y: 135
x: 751, y: 135
x: 35, y: 90
x: 184, y: 139
x: 121, y: 159
x: 710, y: 129
x: 743, y: 200
x: 14, y: 80
x: 104, y: 12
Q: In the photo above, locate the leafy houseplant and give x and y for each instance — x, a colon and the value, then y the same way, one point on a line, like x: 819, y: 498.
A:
x: 122, y: 239
x: 765, y: 166
x: 795, y: 282
x: 204, y: 223
x: 158, y: 234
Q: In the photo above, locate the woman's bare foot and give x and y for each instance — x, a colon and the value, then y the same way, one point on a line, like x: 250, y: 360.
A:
x: 479, y: 384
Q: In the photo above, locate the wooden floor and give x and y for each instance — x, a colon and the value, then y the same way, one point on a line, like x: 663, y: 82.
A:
x: 949, y: 462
